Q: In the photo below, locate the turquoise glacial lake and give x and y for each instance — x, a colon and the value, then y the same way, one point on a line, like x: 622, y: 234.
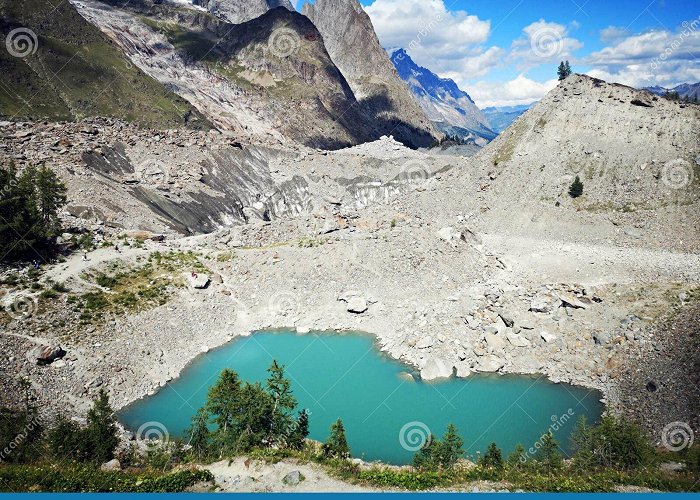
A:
x: 386, y: 408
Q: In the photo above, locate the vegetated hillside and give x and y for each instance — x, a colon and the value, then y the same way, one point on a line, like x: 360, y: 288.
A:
x: 632, y: 149
x: 268, y: 79
x: 451, y: 109
x: 354, y: 47
x: 502, y: 117
x: 71, y: 71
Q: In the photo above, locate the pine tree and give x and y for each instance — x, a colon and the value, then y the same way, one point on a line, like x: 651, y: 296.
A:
x: 561, y: 71
x: 517, y: 459
x: 548, y: 455
x: 337, y: 445
x: 576, y: 189
x: 428, y: 457
x: 223, y: 405
x: 51, y: 194
x: 493, y: 457
x: 199, y: 433
x: 301, y: 431
x: 567, y: 68
x: 283, y: 406
x: 101, y: 430
x: 452, y: 444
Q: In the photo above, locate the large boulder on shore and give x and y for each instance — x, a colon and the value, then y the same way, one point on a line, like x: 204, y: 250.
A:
x: 435, y: 369
x: 45, y: 354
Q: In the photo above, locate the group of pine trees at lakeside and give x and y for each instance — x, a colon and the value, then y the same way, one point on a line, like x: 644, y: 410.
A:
x: 30, y: 202
x: 261, y: 421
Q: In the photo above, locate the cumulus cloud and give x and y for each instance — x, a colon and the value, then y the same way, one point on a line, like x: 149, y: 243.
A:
x: 612, y: 33
x: 653, y: 58
x: 544, y: 43
x: 447, y: 42
x: 521, y: 90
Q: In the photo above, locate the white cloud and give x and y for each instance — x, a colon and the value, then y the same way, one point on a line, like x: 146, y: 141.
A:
x: 543, y: 43
x: 520, y: 90
x: 449, y: 43
x: 652, y: 58
x: 613, y: 33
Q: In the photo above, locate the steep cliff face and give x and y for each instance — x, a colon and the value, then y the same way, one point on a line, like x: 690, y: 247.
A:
x: 240, y: 11
x: 444, y: 103
x: 267, y: 80
x: 354, y: 47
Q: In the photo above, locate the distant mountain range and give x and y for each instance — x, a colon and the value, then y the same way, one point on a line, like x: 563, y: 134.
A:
x: 451, y: 109
x: 501, y: 117
x: 690, y: 90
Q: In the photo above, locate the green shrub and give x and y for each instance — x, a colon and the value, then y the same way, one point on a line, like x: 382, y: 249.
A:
x: 614, y: 442
x: 493, y: 457
x: 576, y: 188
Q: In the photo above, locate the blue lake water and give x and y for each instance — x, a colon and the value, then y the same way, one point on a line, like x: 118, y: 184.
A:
x: 384, y: 409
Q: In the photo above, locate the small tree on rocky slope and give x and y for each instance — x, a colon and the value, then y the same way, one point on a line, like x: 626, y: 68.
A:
x: 576, y: 188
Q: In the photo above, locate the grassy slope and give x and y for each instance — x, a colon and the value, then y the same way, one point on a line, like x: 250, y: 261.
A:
x: 77, y: 72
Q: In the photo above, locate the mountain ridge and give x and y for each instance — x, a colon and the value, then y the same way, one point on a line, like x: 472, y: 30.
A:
x: 452, y: 109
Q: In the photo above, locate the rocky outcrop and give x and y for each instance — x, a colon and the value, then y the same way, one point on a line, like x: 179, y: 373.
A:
x: 46, y: 354
x: 269, y: 79
x: 451, y: 109
x: 354, y: 47
x: 629, y: 156
x: 240, y: 11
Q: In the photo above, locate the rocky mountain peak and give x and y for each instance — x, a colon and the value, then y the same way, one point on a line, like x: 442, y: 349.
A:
x: 451, y: 109
x: 354, y: 47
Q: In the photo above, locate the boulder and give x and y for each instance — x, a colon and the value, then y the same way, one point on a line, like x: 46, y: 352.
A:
x: 495, y: 342
x: 425, y: 342
x: 517, y: 340
x: 490, y: 364
x: 544, y: 302
x: 463, y: 369
x: 435, y: 369
x: 570, y: 300
x: 601, y: 338
x: 507, y: 318
x: 357, y: 305
x: 446, y: 233
x: 470, y: 237
x: 548, y: 337
x: 46, y: 354
x: 293, y: 478
x: 112, y: 465
x: 197, y: 281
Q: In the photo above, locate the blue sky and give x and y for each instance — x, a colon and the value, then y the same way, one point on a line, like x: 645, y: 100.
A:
x: 506, y: 51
